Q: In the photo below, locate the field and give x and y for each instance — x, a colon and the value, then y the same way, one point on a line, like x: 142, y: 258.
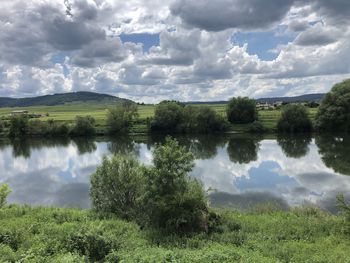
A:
x: 260, y: 235
x: 68, y: 112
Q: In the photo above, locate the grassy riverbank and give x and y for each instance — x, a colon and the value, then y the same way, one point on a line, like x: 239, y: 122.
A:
x: 261, y: 235
x: 67, y: 113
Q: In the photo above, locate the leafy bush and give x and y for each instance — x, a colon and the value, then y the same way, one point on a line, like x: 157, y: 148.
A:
x: 241, y: 110
x: 4, y: 192
x: 48, y: 129
x: 334, y: 111
x: 173, y: 200
x: 117, y: 185
x: 121, y: 118
x: 344, y: 208
x: 18, y: 126
x: 294, y: 119
x: 168, y: 116
x: 256, y: 127
x: 84, y: 126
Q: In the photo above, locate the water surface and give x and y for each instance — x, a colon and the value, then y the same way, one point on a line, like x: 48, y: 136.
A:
x: 241, y: 170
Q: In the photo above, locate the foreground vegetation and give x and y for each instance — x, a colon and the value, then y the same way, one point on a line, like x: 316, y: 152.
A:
x: 261, y: 235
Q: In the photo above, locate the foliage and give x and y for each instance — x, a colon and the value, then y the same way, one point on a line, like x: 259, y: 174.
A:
x: 173, y: 200
x: 18, y: 126
x: 174, y: 117
x: 84, y: 126
x: 168, y: 116
x: 344, y: 208
x: 121, y: 118
x: 334, y: 112
x: 47, y: 129
x: 294, y: 119
x: 68, y: 235
x: 241, y: 110
x: 256, y: 127
x: 117, y: 186
x: 4, y: 192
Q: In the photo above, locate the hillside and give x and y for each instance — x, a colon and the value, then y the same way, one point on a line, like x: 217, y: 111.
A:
x: 58, y: 99
x: 307, y: 97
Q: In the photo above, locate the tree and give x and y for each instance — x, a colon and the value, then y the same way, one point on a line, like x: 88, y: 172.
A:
x: 334, y: 111
x: 18, y: 126
x: 121, y: 118
x: 84, y: 126
x: 4, y: 192
x: 241, y: 110
x: 294, y: 119
x: 173, y: 200
x: 168, y: 116
x: 116, y: 186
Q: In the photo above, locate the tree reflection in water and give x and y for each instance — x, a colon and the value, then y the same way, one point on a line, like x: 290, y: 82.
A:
x: 243, y: 149
x: 294, y: 145
x: 124, y: 145
x: 335, y: 152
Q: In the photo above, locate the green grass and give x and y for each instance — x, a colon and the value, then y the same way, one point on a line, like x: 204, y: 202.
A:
x: 68, y: 112
x: 262, y: 235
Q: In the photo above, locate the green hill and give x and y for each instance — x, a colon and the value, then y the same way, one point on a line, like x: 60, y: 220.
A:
x: 59, y: 99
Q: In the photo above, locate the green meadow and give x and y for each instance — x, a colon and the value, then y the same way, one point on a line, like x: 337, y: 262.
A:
x: 260, y: 235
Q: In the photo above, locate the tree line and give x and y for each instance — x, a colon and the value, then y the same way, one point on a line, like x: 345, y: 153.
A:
x: 174, y: 117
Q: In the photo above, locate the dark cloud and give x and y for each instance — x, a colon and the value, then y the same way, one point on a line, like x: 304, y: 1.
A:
x: 99, y: 53
x: 224, y: 14
x: 316, y: 36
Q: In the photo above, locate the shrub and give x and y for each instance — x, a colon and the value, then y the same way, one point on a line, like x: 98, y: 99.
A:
x: 49, y: 128
x: 84, y: 126
x: 18, y: 126
x: 4, y: 192
x: 168, y: 116
x: 241, y: 110
x: 207, y: 120
x: 117, y: 185
x: 256, y: 127
x: 173, y: 200
x: 121, y: 118
x: 344, y: 208
x: 334, y: 111
x: 294, y: 119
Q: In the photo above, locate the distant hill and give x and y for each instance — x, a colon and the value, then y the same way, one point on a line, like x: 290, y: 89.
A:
x: 58, y: 99
x: 307, y: 97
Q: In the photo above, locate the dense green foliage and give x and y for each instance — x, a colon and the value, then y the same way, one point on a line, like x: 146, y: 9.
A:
x: 84, y: 126
x: 174, y: 117
x: 162, y: 195
x: 121, y: 118
x: 53, y: 235
x: 18, y: 126
x: 174, y: 200
x: 168, y: 116
x: 117, y: 186
x: 47, y: 129
x: 294, y: 119
x: 4, y: 192
x: 334, y: 112
x: 241, y: 110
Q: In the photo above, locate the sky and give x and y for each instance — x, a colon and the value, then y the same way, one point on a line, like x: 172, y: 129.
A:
x: 186, y: 50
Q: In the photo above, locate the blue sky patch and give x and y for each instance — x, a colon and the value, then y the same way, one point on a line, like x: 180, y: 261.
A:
x: 147, y: 40
x: 261, y: 43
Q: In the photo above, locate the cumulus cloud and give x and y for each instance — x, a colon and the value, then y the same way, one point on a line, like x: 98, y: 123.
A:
x: 224, y: 14
x: 57, y: 46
